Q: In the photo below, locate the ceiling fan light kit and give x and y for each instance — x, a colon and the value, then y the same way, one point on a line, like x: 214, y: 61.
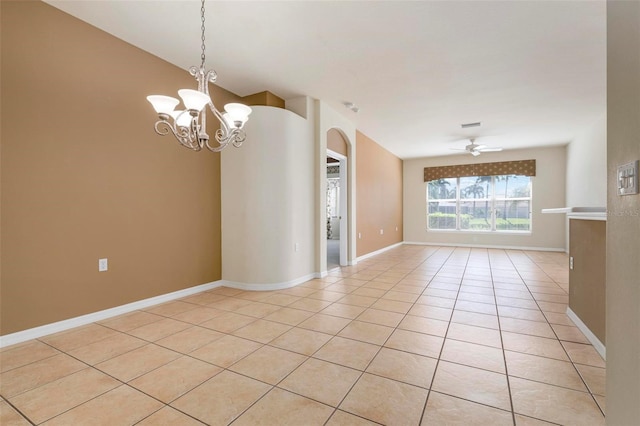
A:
x: 474, y: 149
x: 189, y: 126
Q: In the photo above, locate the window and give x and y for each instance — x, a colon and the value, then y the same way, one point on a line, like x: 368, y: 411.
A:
x: 480, y: 203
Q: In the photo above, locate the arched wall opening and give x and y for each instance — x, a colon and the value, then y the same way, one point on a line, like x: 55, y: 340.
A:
x: 327, y: 120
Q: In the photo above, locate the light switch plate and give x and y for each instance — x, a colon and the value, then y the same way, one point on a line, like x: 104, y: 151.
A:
x: 627, y: 178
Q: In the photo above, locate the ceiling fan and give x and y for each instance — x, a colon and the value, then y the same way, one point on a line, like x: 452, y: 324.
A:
x: 474, y: 149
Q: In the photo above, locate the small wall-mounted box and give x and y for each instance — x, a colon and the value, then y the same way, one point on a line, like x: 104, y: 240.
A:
x: 627, y: 178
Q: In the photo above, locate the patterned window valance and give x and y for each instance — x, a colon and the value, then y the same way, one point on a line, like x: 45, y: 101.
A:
x: 521, y: 167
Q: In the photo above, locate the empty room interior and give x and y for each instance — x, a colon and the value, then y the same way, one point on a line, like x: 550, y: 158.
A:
x: 382, y: 212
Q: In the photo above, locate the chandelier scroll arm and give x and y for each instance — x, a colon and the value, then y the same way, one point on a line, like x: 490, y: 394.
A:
x: 218, y: 148
x: 218, y: 115
x: 185, y: 137
x: 237, y: 142
x: 163, y: 127
x: 182, y: 134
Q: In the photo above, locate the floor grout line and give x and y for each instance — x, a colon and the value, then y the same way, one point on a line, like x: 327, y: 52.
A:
x: 504, y: 355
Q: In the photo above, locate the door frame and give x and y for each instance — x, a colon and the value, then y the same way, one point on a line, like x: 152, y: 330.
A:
x: 343, y: 214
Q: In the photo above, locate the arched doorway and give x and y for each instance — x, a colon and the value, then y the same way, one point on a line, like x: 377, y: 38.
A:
x: 330, y: 124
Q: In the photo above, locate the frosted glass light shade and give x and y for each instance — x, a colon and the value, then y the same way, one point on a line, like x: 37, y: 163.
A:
x: 193, y: 99
x: 237, y: 112
x: 232, y: 123
x: 163, y: 104
x: 228, y: 120
x: 182, y: 118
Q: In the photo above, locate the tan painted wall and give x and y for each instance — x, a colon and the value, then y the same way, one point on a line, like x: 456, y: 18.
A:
x: 84, y: 176
x: 587, y: 289
x: 623, y: 222
x: 336, y: 142
x: 265, y: 98
x: 378, y: 196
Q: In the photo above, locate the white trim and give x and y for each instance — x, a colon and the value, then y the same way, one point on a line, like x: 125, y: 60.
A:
x: 337, y: 268
x: 270, y: 286
x: 588, y: 216
x: 597, y: 344
x: 377, y: 252
x: 335, y: 155
x: 417, y: 243
x: 43, y: 330
x: 343, y: 203
x: 477, y: 232
x: 558, y: 210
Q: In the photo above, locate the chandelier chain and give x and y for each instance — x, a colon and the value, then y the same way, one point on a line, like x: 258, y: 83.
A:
x: 202, y: 28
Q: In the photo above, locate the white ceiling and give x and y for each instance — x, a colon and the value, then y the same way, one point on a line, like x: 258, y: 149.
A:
x: 533, y: 72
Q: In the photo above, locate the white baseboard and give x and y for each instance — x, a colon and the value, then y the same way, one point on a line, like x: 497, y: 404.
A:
x: 271, y: 286
x: 597, y: 344
x: 487, y: 246
x: 323, y: 274
x: 34, y: 333
x: 377, y: 252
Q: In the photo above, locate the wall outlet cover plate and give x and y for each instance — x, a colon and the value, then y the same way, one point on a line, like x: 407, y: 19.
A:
x: 103, y: 265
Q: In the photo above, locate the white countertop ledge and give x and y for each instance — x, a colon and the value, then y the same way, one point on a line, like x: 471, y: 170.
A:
x: 576, y: 210
x: 558, y: 210
x: 587, y: 213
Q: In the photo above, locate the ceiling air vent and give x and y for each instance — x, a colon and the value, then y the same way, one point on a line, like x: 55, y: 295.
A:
x: 466, y: 125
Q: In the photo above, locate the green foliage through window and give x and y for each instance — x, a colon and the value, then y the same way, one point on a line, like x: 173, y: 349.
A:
x: 480, y: 203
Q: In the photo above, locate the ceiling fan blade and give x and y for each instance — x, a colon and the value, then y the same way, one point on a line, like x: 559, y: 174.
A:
x: 479, y: 147
x: 487, y: 149
x: 458, y: 149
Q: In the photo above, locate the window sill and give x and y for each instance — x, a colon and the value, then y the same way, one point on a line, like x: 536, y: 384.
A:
x: 455, y: 231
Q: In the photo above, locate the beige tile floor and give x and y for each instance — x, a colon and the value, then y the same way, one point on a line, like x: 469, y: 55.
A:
x: 414, y: 336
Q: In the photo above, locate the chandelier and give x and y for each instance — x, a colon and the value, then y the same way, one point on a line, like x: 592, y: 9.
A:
x: 189, y: 125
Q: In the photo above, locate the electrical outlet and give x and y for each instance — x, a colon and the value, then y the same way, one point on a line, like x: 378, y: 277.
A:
x: 359, y: 235
x: 396, y: 229
x: 571, y: 262
x: 103, y: 265
x: 295, y: 247
x: 381, y: 231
